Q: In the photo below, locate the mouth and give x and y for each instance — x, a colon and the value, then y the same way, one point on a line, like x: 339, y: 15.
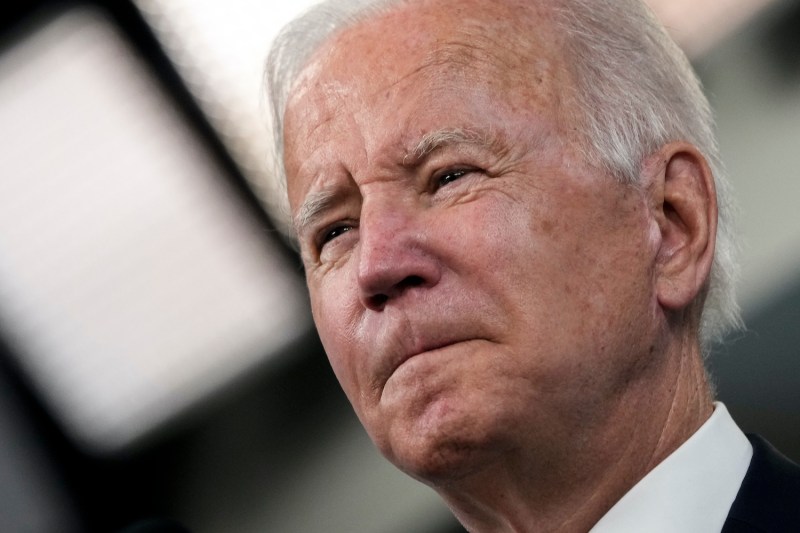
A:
x: 432, y: 348
x: 421, y: 351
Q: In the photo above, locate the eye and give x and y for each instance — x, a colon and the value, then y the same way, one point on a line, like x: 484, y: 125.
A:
x: 450, y: 176
x: 332, y: 233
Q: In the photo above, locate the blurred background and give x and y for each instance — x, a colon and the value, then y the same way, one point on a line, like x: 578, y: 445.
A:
x: 157, y: 358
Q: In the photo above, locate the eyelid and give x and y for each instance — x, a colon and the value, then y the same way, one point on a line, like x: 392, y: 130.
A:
x: 321, y: 236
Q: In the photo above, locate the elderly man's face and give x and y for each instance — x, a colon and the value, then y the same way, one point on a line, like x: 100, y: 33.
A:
x: 477, y: 287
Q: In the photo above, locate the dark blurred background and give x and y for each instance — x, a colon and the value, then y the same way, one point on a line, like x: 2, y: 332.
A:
x: 157, y: 357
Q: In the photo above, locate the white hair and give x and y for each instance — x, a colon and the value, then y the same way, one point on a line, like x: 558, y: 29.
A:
x: 293, y: 48
x: 635, y: 92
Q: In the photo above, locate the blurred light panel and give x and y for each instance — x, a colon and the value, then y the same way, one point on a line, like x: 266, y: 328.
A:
x: 219, y: 48
x: 133, y: 281
x: 698, y: 25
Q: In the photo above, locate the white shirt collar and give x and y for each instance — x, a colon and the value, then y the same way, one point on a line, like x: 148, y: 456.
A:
x: 692, y: 490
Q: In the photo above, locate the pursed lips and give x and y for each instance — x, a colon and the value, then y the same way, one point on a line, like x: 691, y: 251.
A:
x: 403, y: 333
x: 417, y: 349
x: 430, y: 348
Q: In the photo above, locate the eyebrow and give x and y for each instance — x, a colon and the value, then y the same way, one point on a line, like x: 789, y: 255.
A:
x: 315, y: 204
x: 318, y: 202
x: 439, y: 139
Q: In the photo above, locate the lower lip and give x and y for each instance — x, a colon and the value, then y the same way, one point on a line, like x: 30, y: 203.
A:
x: 428, y: 351
x: 404, y: 370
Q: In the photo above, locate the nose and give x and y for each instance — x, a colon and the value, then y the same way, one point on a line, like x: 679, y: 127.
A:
x: 395, y: 254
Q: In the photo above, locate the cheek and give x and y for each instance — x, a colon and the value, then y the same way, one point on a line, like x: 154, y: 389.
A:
x: 565, y: 275
x: 331, y: 304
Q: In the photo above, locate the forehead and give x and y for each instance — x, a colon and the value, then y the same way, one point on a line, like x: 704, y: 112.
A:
x: 513, y: 40
x: 424, y: 52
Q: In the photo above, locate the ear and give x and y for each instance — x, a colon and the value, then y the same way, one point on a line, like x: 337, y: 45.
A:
x: 685, y: 205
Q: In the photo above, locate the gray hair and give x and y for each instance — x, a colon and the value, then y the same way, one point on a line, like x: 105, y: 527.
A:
x: 635, y: 90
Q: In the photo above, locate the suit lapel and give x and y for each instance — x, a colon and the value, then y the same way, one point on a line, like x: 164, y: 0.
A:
x: 769, y: 498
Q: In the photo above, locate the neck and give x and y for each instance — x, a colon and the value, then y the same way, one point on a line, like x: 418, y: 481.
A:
x: 570, y: 485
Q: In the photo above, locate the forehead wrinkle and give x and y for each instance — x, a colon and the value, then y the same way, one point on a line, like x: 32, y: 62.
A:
x: 507, y: 58
x: 476, y: 49
x: 331, y: 100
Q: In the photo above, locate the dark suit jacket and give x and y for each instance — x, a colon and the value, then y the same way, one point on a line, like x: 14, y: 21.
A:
x: 769, y: 499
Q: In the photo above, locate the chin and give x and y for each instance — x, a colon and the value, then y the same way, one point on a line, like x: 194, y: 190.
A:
x: 443, y: 444
x: 442, y: 463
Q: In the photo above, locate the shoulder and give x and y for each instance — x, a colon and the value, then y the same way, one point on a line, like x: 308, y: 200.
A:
x: 769, y: 498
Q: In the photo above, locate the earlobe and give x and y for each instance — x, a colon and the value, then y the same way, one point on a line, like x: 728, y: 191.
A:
x: 686, y: 207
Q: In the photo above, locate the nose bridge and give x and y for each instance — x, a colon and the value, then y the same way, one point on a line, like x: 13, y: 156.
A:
x: 385, y: 211
x: 393, y: 249
x: 386, y: 232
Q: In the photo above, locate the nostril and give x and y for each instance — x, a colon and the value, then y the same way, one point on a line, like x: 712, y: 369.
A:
x: 378, y: 301
x: 412, y: 281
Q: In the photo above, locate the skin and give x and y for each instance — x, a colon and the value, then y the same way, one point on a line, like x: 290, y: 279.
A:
x: 512, y: 326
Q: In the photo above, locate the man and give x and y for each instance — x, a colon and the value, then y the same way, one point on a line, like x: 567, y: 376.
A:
x: 517, y: 252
